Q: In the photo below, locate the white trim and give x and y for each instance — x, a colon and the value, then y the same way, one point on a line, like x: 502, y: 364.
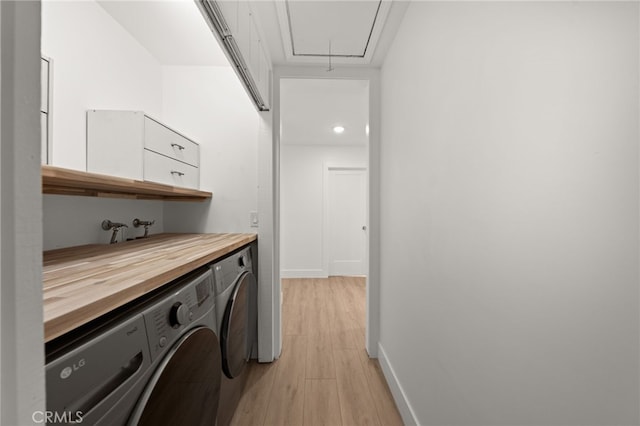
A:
x: 1, y: 203
x: 373, y: 207
x: 303, y: 273
x: 21, y: 330
x: 285, y: 33
x: 268, y: 263
x: 283, y: 24
x: 409, y: 417
x: 326, y: 169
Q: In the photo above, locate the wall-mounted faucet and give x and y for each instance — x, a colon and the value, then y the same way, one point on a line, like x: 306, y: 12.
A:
x: 107, y: 225
x: 137, y: 223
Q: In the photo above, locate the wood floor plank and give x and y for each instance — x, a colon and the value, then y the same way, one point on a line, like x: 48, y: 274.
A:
x: 286, y: 294
x: 293, y: 319
x: 252, y: 407
x: 316, y: 296
x: 342, y: 330
x: 321, y: 403
x: 299, y: 289
x: 317, y: 319
x: 356, y: 403
x: 323, y: 364
x: 385, y: 405
x: 320, y: 363
x: 286, y: 401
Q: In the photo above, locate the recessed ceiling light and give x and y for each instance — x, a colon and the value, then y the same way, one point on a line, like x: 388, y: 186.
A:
x: 338, y: 129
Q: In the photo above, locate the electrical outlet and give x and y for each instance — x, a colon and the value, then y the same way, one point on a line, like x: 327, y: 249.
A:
x: 253, y: 219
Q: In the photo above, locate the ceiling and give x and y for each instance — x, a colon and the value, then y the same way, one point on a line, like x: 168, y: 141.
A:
x: 297, y: 32
x: 173, y: 31
x: 309, y: 109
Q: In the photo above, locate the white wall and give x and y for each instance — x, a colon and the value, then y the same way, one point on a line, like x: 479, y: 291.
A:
x: 302, y: 170
x: 66, y: 228
x: 97, y: 64
x: 210, y: 106
x: 509, y: 213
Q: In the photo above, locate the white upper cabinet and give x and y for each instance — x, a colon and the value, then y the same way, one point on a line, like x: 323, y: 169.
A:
x: 237, y: 28
x: 46, y: 83
x: 255, y: 50
x: 242, y: 35
x: 229, y: 10
x: 130, y: 144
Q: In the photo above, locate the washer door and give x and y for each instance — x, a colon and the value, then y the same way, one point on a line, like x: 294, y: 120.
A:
x: 185, y: 389
x: 236, y: 335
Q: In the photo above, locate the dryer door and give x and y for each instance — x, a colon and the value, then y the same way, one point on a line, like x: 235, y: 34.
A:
x: 185, y: 389
x: 236, y: 335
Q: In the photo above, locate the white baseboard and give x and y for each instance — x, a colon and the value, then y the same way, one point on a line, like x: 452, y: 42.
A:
x: 406, y: 412
x: 303, y: 273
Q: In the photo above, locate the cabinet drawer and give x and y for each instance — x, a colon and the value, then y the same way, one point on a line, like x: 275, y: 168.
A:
x: 158, y: 168
x: 163, y: 140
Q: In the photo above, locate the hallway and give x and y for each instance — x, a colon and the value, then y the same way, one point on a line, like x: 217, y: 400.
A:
x: 324, y: 376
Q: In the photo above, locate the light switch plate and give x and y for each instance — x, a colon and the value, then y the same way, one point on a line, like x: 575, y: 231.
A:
x: 253, y: 219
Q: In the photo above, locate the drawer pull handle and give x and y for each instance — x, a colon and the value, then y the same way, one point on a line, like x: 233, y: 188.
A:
x: 174, y: 172
x: 176, y: 145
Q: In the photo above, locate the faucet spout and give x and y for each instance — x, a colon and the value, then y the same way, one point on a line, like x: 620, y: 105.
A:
x: 107, y: 225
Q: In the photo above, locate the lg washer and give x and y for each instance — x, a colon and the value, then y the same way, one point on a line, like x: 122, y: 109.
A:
x: 153, y: 362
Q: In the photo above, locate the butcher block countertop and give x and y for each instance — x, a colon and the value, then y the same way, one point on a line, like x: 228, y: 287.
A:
x: 82, y: 283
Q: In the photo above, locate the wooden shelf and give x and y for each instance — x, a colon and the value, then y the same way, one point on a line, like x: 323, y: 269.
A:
x: 56, y: 180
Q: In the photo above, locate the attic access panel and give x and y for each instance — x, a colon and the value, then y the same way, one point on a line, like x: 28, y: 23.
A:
x: 353, y: 27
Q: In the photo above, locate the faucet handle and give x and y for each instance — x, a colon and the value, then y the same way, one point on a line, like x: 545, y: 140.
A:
x: 107, y: 225
x: 146, y: 223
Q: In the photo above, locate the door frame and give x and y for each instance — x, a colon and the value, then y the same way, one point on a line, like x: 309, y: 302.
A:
x: 327, y: 169
x: 271, y: 295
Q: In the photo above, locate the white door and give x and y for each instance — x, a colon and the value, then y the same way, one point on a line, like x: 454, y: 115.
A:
x: 346, y: 221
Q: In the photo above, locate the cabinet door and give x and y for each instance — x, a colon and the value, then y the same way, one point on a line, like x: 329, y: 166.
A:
x: 229, y: 10
x: 264, y: 83
x: 253, y: 56
x: 161, y: 169
x: 115, y: 143
x: 44, y: 137
x: 259, y: 66
x: 45, y: 109
x: 44, y: 85
x: 243, y: 33
x: 161, y: 139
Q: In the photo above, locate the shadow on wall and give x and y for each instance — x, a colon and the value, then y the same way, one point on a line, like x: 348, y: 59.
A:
x: 194, y: 217
x: 73, y: 221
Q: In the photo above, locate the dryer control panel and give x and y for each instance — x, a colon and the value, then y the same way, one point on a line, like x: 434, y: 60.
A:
x: 190, y: 304
x: 227, y: 270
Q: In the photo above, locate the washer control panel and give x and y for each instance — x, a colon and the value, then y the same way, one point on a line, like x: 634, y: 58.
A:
x: 189, y: 303
x: 228, y: 269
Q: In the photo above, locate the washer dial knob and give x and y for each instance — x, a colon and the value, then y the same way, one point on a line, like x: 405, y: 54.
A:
x: 179, y: 315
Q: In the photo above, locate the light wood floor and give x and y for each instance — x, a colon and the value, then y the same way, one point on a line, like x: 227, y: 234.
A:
x: 324, y: 376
